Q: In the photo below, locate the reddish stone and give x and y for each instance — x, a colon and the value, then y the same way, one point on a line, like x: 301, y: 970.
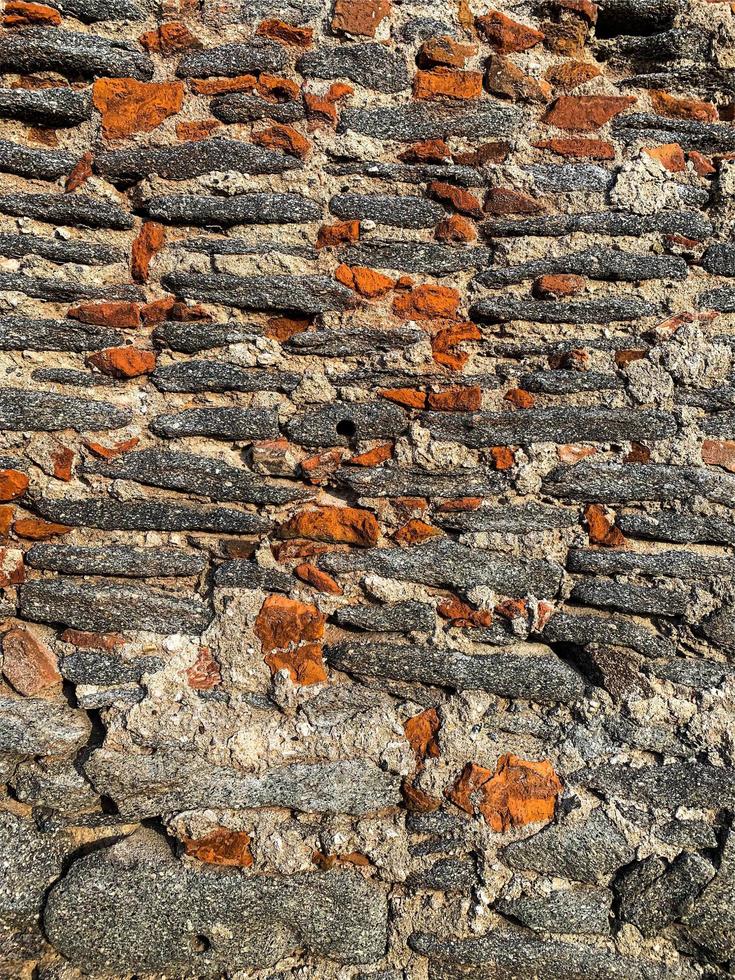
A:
x: 455, y: 228
x: 123, y: 362
x: 448, y: 83
x: 42, y: 135
x: 445, y: 340
x: 93, y: 641
x: 119, y: 314
x: 506, y: 34
x: 456, y: 399
x: 12, y: 569
x: 459, y: 503
x: 282, y: 328
x: 317, y: 469
x: 503, y: 457
x: 62, y: 459
x: 13, y: 484
x: 290, y: 633
x: 626, y: 356
x: 670, y: 156
x: 520, y: 398
x: 601, y: 529
x: 35, y: 529
x: 19, y: 13
x: 219, y: 86
x: 366, y: 282
x: 573, y: 454
x: 702, y: 165
x: 416, y: 800
x: 519, y: 792
x: 496, y: 151
x: 360, y: 17
x: 129, y: 106
x: 462, y: 615
x: 504, y: 78
x: 407, y: 397
x: 285, y: 138
x: 228, y: 848
x: 336, y: 234
x: 149, y: 241
x: 719, y: 452
x: 29, y: 665
x: 373, y: 457
x: 503, y: 201
x: 111, y: 452
x: 346, y: 525
x: 675, y: 108
x: 429, y: 151
x: 584, y: 113
x: 170, y: 38
x: 555, y: 286
x: 589, y: 149
x: 444, y: 50
x: 456, y: 197
x: 318, y: 579
x: 274, y: 88
x: 421, y: 732
x: 571, y: 74
x: 290, y: 34
x: 638, y: 454
x: 80, y: 173
x: 6, y: 519
x: 566, y: 37
x: 194, y: 130
x: 512, y: 609
x: 575, y: 359
x: 415, y: 531
x: 427, y: 303
x: 204, y: 674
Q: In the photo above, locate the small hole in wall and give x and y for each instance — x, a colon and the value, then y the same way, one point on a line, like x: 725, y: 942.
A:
x: 200, y: 944
x: 346, y: 428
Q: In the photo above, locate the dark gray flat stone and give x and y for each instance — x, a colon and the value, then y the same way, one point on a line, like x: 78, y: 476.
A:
x: 66, y: 209
x: 613, y: 309
x: 640, y: 600
x: 338, y: 424
x: 585, y: 630
x: 57, y: 107
x: 244, y: 574
x: 253, y: 208
x: 38, y: 726
x: 38, y: 164
x: 194, y: 376
x: 22, y: 333
x: 387, y: 209
x: 192, y: 159
x: 115, y: 560
x: 417, y: 121
x: 351, y: 341
x: 233, y: 59
x: 240, y: 107
x: 304, y: 294
x: 623, y: 483
x: 585, y: 911
x: 218, y: 423
x: 690, y: 784
x: 374, y: 66
x: 194, y: 337
x: 691, y: 224
x: 58, y: 250
x: 609, y: 264
x: 428, y: 258
x: 72, y: 54
x: 669, y: 564
x: 393, y: 481
x: 398, y: 617
x: 42, y: 411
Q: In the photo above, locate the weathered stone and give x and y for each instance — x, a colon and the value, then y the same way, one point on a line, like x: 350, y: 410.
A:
x: 583, y: 911
x: 671, y: 564
x: 115, y: 560
x: 699, y: 674
x: 104, y: 669
x: 585, y: 630
x: 21, y: 333
x: 192, y: 338
x: 336, y: 425
x: 213, y: 245
x: 242, y: 107
x: 585, y: 850
x: 39, y: 726
x: 231, y: 60
x: 718, y: 627
x: 419, y: 121
x: 549, y: 425
x: 570, y: 177
x: 690, y: 835
x: 598, y: 263
x: 621, y: 483
x: 192, y: 376
x: 409, y: 174
x: 445, y: 875
x: 185, y: 160
x: 247, y: 575
x: 218, y: 423
x: 709, y: 920
x: 72, y: 54
x: 57, y: 107
x: 426, y: 258
x: 350, y: 341
x: 532, y: 677
x: 639, y: 600
x: 499, y: 309
x: 569, y: 382
x: 689, y: 134
x: 399, y: 617
x: 399, y: 212
x: 41, y: 411
x: 60, y: 290
x: 98, y: 607
x: 146, y: 515
x: 91, y: 11
x: 30, y: 162
x: 690, y: 784
x: 653, y: 895
x: 68, y: 376
x: 647, y: 738
x: 205, y: 476
x: 57, y: 250
x: 722, y: 300
x: 224, y: 212
x: 67, y: 209
x: 637, y: 17
x: 305, y: 294
x: 691, y: 224
x: 510, y: 519
x: 373, y: 66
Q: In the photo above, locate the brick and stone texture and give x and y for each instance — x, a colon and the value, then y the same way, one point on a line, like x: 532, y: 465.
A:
x: 367, y: 484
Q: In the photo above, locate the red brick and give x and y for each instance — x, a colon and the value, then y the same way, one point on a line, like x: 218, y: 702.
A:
x: 19, y: 13
x: 149, y: 241
x: 561, y: 284
x: 670, y: 156
x: 318, y: 579
x: 520, y: 398
x: 676, y: 108
x: 416, y: 531
x: 585, y: 113
x: 13, y: 484
x: 120, y: 314
x: 449, y: 83
x: 204, y: 673
x: 285, y: 138
x: 290, y: 633
x: 337, y: 234
x: 35, y: 529
x: 289, y: 34
x: 360, y: 17
x: 455, y: 228
x: 29, y: 665
x: 601, y: 529
x: 129, y: 106
x: 345, y: 525
x: 227, y: 848
x: 427, y: 303
x: 407, y: 397
x: 421, y: 733
x: 428, y: 151
x: 456, y: 399
x: 444, y: 50
x: 80, y: 173
x: 366, y: 282
x: 123, y: 362
x: 576, y: 147
x: 505, y: 200
x: 506, y: 34
x: 170, y: 38
x: 461, y: 200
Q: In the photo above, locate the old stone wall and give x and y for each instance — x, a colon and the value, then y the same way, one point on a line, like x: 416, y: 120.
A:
x: 367, y: 440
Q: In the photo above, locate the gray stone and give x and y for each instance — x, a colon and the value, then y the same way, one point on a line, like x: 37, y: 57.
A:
x: 689, y: 835
x: 699, y: 674
x: 107, y: 907
x: 23, y: 333
x: 722, y: 424
x: 115, y: 560
x: 42, y: 411
x: 530, y: 677
x: 719, y: 260
x: 502, y: 309
x: 253, y: 208
x: 57, y: 107
x: 409, y: 173
x: 338, y: 424
x: 584, y: 850
x: 710, y: 921
x: 104, y: 669
x: 722, y: 300
x: 305, y: 294
x: 418, y: 121
x: 511, y: 519
x: 193, y: 337
x: 427, y: 258
x: 690, y: 784
x: 623, y: 483
x: 392, y: 481
x: 351, y: 341
x: 569, y: 382
x: 691, y: 224
x: 243, y: 107
x: 448, y: 564
x: 640, y: 600
x: 718, y: 627
x: 559, y: 425
x: 58, y: 250
x: 146, y: 515
x: 91, y: 11
x: 678, y: 527
x: 671, y: 564
x: 244, y: 574
x: 609, y: 264
x: 53, y: 784
x: 647, y: 738
x: 371, y: 65
x: 30, y: 162
x: 691, y: 135
x: 566, y: 178
x: 66, y: 209
x: 230, y: 245
x: 662, y: 46
x: 585, y: 630
x: 192, y: 159
x: 387, y: 209
x: 60, y: 290
x: 218, y: 423
x: 451, y: 874
x: 72, y: 54
x: 68, y: 376
x: 640, y: 17
x: 38, y: 726
x: 399, y: 617
x: 233, y: 59
x: 167, y: 781
x: 100, y: 608
x: 193, y: 376
x: 585, y: 911
x: 652, y: 895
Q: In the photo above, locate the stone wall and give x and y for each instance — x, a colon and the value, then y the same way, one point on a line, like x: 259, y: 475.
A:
x: 367, y: 429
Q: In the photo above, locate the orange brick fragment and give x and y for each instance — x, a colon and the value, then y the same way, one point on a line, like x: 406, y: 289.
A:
x: 120, y: 314
x: 360, y: 17
x: 194, y: 130
x: 6, y: 519
x: 13, y: 484
x: 416, y: 800
x: 29, y: 665
x: 282, y: 328
x: 316, y: 469
x: 459, y: 503
x: 19, y: 13
x: 455, y: 228
x: 719, y: 452
x: 285, y: 138
x: 228, y: 848
x: 339, y: 525
x: 427, y: 303
x: 570, y: 74
x: 373, y: 457
x: 407, y: 397
x: 702, y: 164
x: 507, y: 80
x: 495, y: 151
x: 111, y: 452
x: 290, y: 34
x: 503, y: 457
x: 35, y: 529
x: 415, y: 531
x: 444, y: 50
x: 669, y: 155
x: 584, y: 113
x: 80, y: 173
x: 12, y: 569
x: 366, y: 282
x: 149, y: 241
x: 601, y: 529
x: 573, y: 454
x: 556, y: 285
x: 506, y: 34
x: 506, y: 200
x: 577, y: 147
x: 446, y: 339
x: 520, y: 398
x: 461, y: 200
x: 290, y: 633
x: 318, y: 579
x: 62, y: 459
x: 519, y: 792
x: 92, y: 641
x: 676, y: 108
x: 337, y: 234
x: 463, y: 615
x: 129, y: 106
x: 456, y: 399
x: 428, y: 151
x: 219, y: 86
x: 123, y: 362
x: 170, y: 38
x: 421, y: 732
x: 448, y: 83
x: 204, y: 673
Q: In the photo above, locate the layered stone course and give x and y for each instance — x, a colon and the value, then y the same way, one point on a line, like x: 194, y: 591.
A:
x: 367, y: 440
